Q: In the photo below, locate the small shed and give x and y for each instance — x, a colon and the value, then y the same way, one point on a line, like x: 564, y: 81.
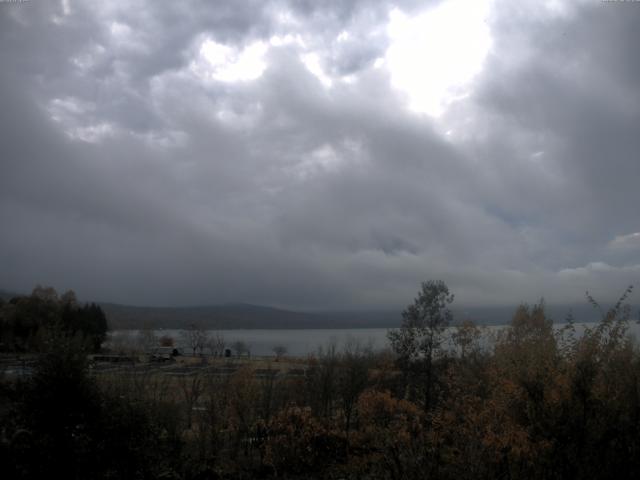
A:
x: 163, y: 354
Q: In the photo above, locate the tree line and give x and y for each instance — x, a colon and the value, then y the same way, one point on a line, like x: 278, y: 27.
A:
x: 28, y: 321
x: 536, y: 402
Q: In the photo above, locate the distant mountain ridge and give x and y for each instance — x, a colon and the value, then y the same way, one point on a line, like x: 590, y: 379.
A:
x: 247, y: 316
x: 240, y: 316
x: 250, y: 316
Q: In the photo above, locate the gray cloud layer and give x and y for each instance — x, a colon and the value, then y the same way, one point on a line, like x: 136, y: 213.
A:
x: 128, y: 176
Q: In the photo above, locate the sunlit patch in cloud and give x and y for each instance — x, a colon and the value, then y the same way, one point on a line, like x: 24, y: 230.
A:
x: 349, y: 79
x: 434, y: 56
x: 67, y: 108
x: 288, y: 39
x: 287, y: 19
x: 343, y: 36
x: 608, y: 275
x: 120, y: 30
x: 163, y: 140
x: 66, y: 11
x: 90, y: 56
x: 92, y: 133
x: 560, y: 8
x: 242, y: 118
x: 216, y: 61
x: 630, y: 241
x: 320, y: 160
x: 328, y: 159
x: 592, y: 268
x: 71, y: 115
x: 75, y: 117
x: 312, y: 62
x: 124, y: 37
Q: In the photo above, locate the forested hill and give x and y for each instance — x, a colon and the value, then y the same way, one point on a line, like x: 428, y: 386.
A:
x: 236, y: 316
x: 242, y: 315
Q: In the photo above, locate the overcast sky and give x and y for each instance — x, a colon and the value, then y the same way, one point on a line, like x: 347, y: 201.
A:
x: 320, y: 154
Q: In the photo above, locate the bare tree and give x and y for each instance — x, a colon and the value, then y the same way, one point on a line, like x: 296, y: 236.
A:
x: 215, y: 344
x: 466, y: 338
x: 192, y: 387
x: 353, y: 377
x: 240, y: 347
x: 196, y: 338
x: 147, y: 338
x: 280, y: 351
x: 322, y: 379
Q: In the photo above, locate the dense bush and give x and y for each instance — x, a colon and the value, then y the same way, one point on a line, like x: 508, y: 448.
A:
x: 59, y: 424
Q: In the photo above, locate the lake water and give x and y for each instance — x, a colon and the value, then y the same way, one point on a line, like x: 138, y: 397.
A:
x: 298, y: 342
x: 304, y: 342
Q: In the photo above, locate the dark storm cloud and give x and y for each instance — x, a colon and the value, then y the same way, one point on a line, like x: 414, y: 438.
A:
x: 132, y: 174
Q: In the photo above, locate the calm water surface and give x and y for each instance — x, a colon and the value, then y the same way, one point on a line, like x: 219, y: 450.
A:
x: 304, y: 342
